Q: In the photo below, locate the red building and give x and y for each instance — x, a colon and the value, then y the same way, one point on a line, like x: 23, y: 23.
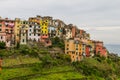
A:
x: 88, y: 50
x: 100, y: 49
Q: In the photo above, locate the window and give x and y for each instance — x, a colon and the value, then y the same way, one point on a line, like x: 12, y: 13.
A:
x: 76, y: 53
x: 0, y: 25
x: 6, y: 30
x: 67, y: 49
x: 34, y: 34
x: 30, y: 26
x: 38, y: 34
x: 1, y: 37
x: 72, y: 52
x: 30, y: 30
x: 29, y: 34
x: 17, y: 34
x: 23, y: 40
x: 24, y: 22
x: 11, y: 31
x: 73, y: 56
x: 6, y: 25
x: 23, y: 34
x: 76, y: 45
x: 67, y: 44
x: 77, y: 58
x: 0, y: 30
x: 76, y: 48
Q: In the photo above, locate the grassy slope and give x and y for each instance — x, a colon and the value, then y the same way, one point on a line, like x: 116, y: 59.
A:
x: 22, y: 67
x: 13, y: 69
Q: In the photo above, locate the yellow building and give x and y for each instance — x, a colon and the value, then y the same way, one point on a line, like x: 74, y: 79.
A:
x: 90, y: 42
x: 18, y: 25
x: 74, y: 48
x: 44, y: 26
x: 17, y: 30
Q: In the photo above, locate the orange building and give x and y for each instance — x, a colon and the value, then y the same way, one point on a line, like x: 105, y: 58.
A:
x: 74, y: 48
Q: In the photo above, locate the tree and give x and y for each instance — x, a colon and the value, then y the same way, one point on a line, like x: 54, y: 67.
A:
x: 2, y: 45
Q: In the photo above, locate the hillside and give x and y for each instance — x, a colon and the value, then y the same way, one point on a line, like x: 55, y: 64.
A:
x: 38, y: 64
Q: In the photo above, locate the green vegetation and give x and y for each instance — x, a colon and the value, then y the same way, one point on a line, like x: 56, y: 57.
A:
x: 2, y: 45
x: 57, y: 42
x: 26, y: 63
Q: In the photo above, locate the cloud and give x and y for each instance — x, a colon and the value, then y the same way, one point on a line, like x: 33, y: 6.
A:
x: 95, y: 16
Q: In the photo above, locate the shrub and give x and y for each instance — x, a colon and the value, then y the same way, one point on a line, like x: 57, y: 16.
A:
x: 2, y: 45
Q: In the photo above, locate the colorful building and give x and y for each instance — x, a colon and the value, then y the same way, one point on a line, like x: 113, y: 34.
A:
x: 24, y: 32
x: 44, y: 29
x: 74, y: 48
x: 17, y: 27
x: 100, y: 49
x: 7, y: 31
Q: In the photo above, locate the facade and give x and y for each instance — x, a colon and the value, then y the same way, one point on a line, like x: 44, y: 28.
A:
x: 34, y: 32
x: 7, y: 31
x: 100, y: 49
x: 74, y: 49
x: 44, y: 29
x: 18, y: 24
x: 23, y: 32
x: 52, y: 31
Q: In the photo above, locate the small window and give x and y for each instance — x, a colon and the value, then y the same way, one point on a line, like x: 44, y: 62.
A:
x: 76, y: 45
x: 67, y: 49
x: 76, y: 53
x: 38, y: 34
x: 34, y: 34
x: 0, y: 25
x: 76, y: 48
x: 0, y: 29
x: 72, y: 52
x: 1, y: 37
x: 30, y: 26
x: 30, y: 30
x: 23, y: 40
x: 67, y: 44
x: 23, y: 34
x: 29, y: 34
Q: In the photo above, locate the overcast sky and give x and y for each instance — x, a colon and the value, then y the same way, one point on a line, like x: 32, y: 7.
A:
x: 100, y: 18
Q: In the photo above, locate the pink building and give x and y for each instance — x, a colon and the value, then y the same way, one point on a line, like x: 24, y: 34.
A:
x: 7, y: 31
x: 99, y: 48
